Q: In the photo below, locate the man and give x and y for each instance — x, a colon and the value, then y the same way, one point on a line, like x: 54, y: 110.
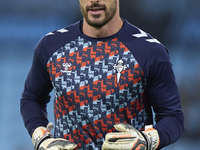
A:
x: 107, y: 76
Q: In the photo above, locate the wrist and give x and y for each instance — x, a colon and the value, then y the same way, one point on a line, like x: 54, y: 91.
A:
x: 152, y: 138
x: 37, y: 145
x: 41, y: 134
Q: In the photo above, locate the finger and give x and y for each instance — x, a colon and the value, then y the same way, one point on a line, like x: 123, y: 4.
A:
x: 123, y: 127
x: 53, y: 148
x: 113, y: 137
x: 139, y: 145
x: 117, y: 146
x: 62, y: 144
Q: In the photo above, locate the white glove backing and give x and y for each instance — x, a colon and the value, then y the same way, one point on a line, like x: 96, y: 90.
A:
x: 43, y: 139
x: 130, y: 138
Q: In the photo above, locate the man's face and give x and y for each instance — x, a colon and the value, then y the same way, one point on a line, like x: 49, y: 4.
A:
x: 97, y: 13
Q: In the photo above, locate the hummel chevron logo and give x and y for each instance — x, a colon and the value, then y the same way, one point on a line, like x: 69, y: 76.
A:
x: 66, y: 67
x: 120, y: 67
x: 62, y: 30
x: 141, y: 34
x: 144, y: 34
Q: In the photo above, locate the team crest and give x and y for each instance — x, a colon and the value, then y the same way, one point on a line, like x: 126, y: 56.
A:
x: 119, y: 67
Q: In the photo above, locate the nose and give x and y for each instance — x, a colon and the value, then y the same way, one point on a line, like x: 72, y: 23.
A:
x: 95, y: 1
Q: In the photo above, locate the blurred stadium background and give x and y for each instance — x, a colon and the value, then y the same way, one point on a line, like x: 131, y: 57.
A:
x: 175, y: 23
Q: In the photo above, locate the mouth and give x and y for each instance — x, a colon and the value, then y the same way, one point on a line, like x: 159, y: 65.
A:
x: 96, y: 10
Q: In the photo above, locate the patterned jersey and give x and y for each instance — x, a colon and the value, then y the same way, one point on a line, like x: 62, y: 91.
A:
x: 99, y: 82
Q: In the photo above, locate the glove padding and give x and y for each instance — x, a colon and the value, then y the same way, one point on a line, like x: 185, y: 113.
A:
x: 43, y: 139
x: 130, y: 138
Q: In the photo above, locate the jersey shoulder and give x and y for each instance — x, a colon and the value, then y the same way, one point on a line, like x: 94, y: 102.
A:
x: 69, y: 31
x: 53, y: 41
x: 146, y: 49
x: 138, y: 37
x: 62, y: 36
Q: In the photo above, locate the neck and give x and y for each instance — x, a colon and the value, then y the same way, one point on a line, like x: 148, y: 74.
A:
x: 109, y: 29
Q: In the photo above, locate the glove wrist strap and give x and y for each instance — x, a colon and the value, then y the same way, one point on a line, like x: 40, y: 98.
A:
x: 146, y: 139
x: 152, y: 138
x: 40, y: 134
x: 37, y: 145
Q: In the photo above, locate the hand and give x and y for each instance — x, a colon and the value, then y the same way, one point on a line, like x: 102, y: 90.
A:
x: 130, y: 138
x: 43, y: 139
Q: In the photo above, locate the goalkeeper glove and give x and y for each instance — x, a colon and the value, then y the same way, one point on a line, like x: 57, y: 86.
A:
x: 43, y: 139
x: 130, y: 138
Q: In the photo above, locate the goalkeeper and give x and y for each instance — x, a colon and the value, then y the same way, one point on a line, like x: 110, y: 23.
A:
x: 107, y: 76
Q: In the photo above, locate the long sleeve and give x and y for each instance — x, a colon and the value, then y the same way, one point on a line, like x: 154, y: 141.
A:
x: 36, y: 95
x: 163, y: 94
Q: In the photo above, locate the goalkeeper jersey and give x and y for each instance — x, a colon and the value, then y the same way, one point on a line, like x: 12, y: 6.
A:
x: 99, y: 82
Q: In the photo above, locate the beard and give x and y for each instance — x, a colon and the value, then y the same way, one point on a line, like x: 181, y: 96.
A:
x: 109, y: 14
